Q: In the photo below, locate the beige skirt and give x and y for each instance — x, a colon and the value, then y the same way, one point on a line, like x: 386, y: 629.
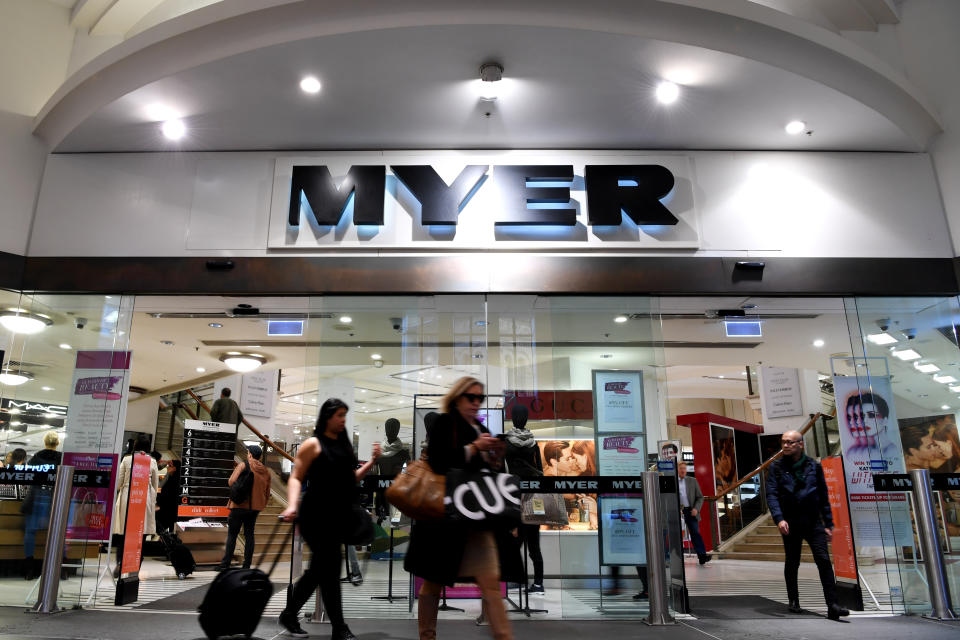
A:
x: 480, y: 555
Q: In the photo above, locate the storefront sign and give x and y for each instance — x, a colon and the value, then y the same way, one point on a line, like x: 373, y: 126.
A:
x: 551, y: 405
x: 208, y: 452
x: 483, y: 200
x: 96, y: 416
x: 136, y: 513
x: 781, y: 392
x: 844, y: 555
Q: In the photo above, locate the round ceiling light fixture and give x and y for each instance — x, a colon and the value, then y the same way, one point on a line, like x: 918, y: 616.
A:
x: 310, y: 84
x: 242, y: 362
x: 22, y: 321
x: 173, y: 129
x: 491, y: 81
x: 620, y: 319
x: 12, y: 378
x: 795, y: 127
x: 667, y: 92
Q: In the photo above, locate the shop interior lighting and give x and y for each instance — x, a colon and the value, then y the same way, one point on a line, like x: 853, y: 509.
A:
x: 945, y: 407
x: 620, y: 319
x: 310, y: 84
x: 376, y: 356
x: 346, y: 319
x: 944, y: 379
x: 881, y: 339
x: 22, y: 321
x: 12, y: 378
x: 907, y: 354
x: 795, y: 127
x: 242, y: 362
x: 667, y: 92
x: 64, y: 345
x: 818, y: 343
x: 491, y: 81
x: 926, y: 368
x: 173, y: 129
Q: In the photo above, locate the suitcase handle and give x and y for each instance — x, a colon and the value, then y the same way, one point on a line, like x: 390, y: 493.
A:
x: 273, y: 535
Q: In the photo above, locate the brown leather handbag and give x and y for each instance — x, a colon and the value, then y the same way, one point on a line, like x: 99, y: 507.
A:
x: 418, y: 492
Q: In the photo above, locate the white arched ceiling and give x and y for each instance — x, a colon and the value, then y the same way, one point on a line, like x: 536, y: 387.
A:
x: 737, y: 27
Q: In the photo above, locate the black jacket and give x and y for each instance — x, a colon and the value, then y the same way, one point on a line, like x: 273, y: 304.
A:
x: 436, y: 547
x: 524, y: 461
x: 806, y: 503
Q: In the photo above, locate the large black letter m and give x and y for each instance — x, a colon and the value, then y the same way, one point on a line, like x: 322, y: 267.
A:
x: 328, y: 203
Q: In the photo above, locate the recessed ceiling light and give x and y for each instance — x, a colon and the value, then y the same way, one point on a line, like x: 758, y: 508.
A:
x: 944, y: 406
x: 926, y: 368
x: 620, y: 319
x: 376, y: 356
x: 363, y: 390
x: 907, y: 354
x: 215, y: 325
x: 346, y: 319
x: 667, y: 92
x: 64, y: 345
x: 22, y: 321
x: 795, y: 126
x: 47, y: 388
x: 881, y: 338
x: 818, y: 343
x: 173, y: 129
x: 721, y: 377
x: 201, y: 370
x: 310, y: 84
x: 944, y: 379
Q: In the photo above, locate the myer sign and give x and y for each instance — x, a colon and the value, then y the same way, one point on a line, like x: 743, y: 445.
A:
x: 509, y: 200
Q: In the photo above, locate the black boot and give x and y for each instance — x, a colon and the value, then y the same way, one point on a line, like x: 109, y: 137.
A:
x: 342, y: 632
x: 795, y: 606
x: 834, y: 611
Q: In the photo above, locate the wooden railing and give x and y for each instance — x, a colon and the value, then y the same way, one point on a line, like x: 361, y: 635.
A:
x: 267, y: 441
x: 763, y: 467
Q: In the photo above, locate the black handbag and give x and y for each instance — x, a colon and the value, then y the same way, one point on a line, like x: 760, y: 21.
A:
x: 358, y: 527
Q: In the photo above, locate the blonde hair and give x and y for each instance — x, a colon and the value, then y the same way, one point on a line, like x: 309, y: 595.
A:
x: 449, y: 402
x: 51, y: 440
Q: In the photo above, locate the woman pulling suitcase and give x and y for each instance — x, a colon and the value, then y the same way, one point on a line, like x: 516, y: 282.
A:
x: 328, y: 463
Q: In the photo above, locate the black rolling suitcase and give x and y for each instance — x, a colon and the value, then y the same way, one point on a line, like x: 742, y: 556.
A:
x: 180, y: 556
x: 234, y: 603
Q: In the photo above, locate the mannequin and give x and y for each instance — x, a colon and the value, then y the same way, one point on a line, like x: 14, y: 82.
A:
x: 390, y: 463
x: 523, y: 459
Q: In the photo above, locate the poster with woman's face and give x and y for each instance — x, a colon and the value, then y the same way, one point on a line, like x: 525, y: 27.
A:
x: 724, y: 456
x: 573, y: 458
x: 931, y: 443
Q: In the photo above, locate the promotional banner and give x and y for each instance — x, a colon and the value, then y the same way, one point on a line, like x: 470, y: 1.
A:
x: 573, y: 458
x: 95, y: 419
x: 931, y: 443
x: 844, y: 554
x: 618, y: 396
x: 136, y: 512
x: 669, y: 449
x: 724, y: 456
x: 208, y: 451
x: 621, y: 455
x: 621, y: 531
x: 869, y: 445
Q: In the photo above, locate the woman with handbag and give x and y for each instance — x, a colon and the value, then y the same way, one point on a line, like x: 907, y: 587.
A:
x: 442, y: 551
x: 329, y: 514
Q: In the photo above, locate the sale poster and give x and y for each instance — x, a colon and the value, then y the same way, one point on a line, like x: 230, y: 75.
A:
x: 136, y: 512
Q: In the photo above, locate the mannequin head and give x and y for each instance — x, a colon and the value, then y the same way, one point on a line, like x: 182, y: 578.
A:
x: 519, y: 415
x: 392, y: 429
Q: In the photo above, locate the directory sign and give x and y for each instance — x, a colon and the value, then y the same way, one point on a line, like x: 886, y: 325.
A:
x: 208, y: 461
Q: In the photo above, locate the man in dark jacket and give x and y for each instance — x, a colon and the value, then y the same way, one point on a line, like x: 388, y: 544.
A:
x: 797, y: 496
x: 225, y: 409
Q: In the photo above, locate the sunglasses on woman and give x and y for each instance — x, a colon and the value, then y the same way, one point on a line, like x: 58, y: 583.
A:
x: 475, y: 397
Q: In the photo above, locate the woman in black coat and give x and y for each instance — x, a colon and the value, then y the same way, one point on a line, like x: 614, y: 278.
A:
x: 443, y: 552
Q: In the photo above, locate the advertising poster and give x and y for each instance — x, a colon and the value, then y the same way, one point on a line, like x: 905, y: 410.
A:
x: 573, y: 458
x: 621, y: 455
x: 931, y: 443
x: 621, y: 533
x: 669, y: 449
x: 844, y: 556
x: 136, y: 512
x: 724, y: 456
x: 619, y: 401
x: 95, y: 419
x: 870, y: 445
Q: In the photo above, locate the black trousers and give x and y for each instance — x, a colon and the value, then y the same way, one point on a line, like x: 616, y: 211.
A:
x: 248, y: 519
x: 693, y: 528
x: 531, y: 534
x: 324, y: 571
x: 816, y: 537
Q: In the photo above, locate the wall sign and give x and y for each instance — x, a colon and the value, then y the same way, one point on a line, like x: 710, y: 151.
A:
x: 508, y: 200
x: 781, y: 392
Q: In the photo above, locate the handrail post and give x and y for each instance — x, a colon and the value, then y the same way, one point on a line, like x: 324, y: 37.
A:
x: 53, y: 551
x: 937, y: 583
x: 653, y: 525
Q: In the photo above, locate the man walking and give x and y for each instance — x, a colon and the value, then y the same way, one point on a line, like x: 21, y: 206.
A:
x: 225, y: 409
x: 797, y: 496
x: 245, y: 511
x: 691, y: 501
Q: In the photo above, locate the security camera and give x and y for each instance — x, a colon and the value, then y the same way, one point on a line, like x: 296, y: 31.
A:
x: 910, y: 333
x: 883, y: 323
x: 396, y: 323
x: 80, y: 323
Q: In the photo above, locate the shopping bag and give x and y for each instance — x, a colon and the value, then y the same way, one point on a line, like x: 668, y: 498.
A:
x: 483, y: 498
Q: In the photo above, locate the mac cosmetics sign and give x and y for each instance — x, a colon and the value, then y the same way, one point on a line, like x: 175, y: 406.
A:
x: 473, y: 201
